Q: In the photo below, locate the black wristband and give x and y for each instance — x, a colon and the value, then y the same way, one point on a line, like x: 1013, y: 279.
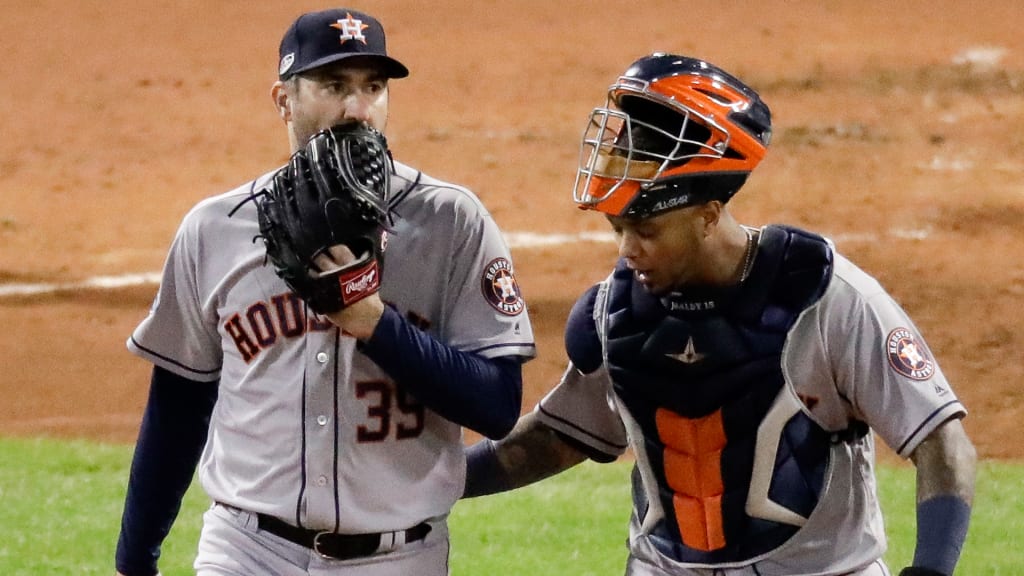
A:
x: 915, y: 571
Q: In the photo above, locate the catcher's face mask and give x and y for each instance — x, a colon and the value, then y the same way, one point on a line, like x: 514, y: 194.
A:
x: 668, y: 119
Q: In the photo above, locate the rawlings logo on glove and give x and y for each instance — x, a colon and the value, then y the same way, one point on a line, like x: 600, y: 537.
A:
x: 360, y: 283
x: 333, y: 192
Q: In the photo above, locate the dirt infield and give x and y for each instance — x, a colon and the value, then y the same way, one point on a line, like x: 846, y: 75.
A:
x: 899, y: 133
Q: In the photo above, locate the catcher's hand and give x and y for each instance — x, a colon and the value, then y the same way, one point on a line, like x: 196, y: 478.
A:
x: 332, y: 192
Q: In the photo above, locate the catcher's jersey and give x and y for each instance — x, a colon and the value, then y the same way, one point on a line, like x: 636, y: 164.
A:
x: 851, y: 356
x: 305, y: 427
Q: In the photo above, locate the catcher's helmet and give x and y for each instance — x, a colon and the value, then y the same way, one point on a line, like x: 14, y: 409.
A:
x: 675, y: 131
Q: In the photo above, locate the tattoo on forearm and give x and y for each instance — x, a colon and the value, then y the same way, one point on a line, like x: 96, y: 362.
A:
x: 534, y: 452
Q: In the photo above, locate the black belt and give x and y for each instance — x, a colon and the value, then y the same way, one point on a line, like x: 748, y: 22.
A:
x: 338, y: 546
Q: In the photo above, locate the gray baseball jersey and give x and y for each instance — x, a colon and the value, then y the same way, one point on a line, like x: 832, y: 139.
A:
x: 306, y: 428
x: 854, y: 355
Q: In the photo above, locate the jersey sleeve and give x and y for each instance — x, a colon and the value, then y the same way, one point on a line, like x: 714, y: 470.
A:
x: 883, y: 365
x: 581, y: 408
x: 487, y: 314
x: 178, y: 335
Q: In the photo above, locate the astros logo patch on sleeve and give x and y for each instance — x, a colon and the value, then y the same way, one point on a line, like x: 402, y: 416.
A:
x: 907, y: 356
x: 500, y: 288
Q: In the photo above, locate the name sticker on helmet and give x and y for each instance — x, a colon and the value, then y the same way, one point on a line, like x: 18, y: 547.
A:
x: 670, y: 203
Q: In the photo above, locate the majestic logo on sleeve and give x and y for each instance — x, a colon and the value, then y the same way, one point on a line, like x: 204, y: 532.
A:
x: 907, y: 356
x: 500, y: 288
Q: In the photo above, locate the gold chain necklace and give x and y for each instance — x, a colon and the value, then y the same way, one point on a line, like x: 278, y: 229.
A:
x: 748, y: 256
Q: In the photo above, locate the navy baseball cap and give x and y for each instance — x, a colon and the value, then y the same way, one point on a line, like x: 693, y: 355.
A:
x: 319, y: 38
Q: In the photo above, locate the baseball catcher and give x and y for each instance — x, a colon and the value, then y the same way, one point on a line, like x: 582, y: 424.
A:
x: 332, y: 192
x: 747, y: 368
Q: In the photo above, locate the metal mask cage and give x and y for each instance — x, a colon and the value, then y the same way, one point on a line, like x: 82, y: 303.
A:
x: 615, y: 148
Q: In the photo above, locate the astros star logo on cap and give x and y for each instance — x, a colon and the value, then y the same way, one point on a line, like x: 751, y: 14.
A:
x: 351, y: 29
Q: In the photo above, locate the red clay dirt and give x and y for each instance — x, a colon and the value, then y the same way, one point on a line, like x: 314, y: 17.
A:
x: 899, y: 133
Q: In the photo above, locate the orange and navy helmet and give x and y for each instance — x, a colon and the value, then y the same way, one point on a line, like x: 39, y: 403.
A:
x: 674, y: 132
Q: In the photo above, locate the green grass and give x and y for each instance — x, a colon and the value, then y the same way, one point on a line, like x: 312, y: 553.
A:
x: 60, y: 510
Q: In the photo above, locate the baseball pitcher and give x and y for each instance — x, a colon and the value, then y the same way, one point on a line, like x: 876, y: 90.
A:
x: 321, y: 336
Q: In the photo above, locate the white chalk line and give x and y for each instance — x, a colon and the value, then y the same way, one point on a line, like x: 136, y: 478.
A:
x: 515, y: 240
x: 94, y: 283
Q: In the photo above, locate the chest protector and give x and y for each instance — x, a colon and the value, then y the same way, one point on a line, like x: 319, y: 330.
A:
x: 698, y: 371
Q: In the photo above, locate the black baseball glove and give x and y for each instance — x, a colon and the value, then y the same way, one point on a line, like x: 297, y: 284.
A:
x: 334, y: 191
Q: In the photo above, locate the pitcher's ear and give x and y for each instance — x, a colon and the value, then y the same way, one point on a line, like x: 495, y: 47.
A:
x: 282, y: 101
